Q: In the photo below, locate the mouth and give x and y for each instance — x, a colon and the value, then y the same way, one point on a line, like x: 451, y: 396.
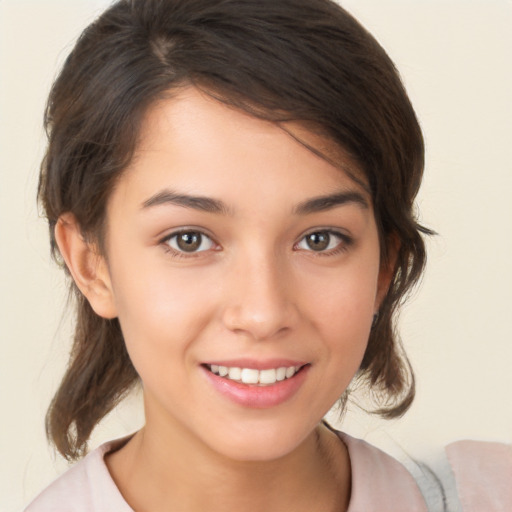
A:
x: 254, y: 377
x: 257, y: 385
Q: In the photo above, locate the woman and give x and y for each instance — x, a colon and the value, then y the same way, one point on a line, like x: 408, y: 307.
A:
x: 230, y: 185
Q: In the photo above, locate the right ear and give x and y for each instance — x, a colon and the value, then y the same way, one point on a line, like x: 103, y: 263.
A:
x: 87, y: 266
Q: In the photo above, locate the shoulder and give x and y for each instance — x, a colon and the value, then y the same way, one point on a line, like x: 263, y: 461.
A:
x: 380, y: 482
x: 87, y: 486
x: 483, y: 473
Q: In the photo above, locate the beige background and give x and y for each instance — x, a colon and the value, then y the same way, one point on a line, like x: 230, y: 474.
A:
x: 456, y: 60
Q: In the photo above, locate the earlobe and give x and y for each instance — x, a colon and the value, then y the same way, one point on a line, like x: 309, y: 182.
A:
x: 86, y: 265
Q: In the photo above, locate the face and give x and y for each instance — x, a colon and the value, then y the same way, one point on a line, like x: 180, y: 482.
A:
x: 245, y: 272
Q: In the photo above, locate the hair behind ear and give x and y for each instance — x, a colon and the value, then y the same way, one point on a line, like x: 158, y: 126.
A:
x: 385, y: 366
x: 98, y: 376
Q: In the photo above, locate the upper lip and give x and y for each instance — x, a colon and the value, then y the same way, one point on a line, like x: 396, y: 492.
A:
x: 256, y: 364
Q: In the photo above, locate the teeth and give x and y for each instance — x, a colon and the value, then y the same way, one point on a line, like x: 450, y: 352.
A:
x: 249, y: 376
x: 290, y: 372
x: 281, y: 374
x: 235, y: 373
x: 252, y: 376
x: 268, y: 376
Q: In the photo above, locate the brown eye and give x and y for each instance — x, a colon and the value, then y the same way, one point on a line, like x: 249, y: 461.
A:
x: 321, y: 241
x: 318, y: 241
x: 190, y: 241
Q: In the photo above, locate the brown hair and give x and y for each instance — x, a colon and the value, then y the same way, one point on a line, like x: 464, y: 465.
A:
x: 301, y: 60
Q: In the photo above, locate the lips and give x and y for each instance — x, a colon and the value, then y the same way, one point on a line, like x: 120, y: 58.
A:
x: 243, y: 383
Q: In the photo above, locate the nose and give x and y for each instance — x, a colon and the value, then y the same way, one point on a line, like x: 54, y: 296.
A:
x: 260, y: 300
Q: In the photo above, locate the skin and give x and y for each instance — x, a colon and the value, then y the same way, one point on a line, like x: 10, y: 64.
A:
x: 255, y: 290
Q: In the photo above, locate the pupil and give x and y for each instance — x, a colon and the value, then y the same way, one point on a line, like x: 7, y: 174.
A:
x: 189, y: 242
x: 318, y: 241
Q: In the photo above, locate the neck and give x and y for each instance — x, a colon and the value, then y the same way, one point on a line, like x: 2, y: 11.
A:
x: 159, y: 471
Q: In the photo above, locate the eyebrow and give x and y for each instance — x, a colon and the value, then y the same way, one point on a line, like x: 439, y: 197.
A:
x: 210, y: 205
x: 205, y: 204
x: 322, y: 203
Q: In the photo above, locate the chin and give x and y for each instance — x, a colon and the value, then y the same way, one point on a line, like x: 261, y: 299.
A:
x: 258, y: 442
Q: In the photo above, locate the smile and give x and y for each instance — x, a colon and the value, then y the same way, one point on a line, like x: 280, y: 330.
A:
x: 266, y: 377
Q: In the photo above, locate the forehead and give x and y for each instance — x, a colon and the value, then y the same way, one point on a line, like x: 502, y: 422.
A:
x: 317, y: 141
x: 194, y: 139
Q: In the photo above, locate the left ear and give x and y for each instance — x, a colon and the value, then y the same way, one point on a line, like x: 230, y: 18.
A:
x: 387, y: 269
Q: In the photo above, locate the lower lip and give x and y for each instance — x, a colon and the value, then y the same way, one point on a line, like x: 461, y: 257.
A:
x: 257, y: 397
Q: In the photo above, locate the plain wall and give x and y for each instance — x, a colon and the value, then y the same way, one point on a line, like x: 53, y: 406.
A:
x: 456, y: 61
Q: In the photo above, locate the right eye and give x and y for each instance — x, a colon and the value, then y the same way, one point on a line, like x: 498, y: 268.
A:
x: 189, y: 242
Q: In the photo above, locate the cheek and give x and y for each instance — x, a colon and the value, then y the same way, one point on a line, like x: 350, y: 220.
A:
x: 344, y: 324
x: 345, y: 300
x: 341, y: 311
x: 161, y: 311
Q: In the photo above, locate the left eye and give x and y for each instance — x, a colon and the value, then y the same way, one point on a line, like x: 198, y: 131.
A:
x: 190, y: 241
x: 320, y: 241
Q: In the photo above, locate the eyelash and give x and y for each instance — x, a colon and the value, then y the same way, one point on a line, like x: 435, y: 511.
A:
x: 176, y: 253
x: 344, y: 244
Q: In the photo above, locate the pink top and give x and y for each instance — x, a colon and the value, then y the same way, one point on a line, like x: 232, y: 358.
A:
x: 483, y: 474
x: 379, y: 483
